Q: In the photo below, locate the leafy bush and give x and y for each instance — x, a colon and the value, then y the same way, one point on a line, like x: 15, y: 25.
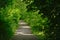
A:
x: 37, y: 23
x: 50, y: 9
x: 9, y: 18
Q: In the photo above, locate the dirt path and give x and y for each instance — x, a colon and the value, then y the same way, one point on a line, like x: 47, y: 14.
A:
x: 24, y: 32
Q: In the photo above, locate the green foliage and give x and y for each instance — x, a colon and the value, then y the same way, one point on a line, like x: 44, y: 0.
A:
x: 37, y: 23
x: 4, y: 3
x: 9, y: 18
x: 50, y: 9
x: 44, y: 23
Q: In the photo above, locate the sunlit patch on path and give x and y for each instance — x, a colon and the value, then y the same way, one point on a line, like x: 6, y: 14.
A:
x: 24, y: 32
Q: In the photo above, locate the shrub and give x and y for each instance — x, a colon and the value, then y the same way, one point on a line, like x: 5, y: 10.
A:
x: 9, y: 18
x: 38, y: 23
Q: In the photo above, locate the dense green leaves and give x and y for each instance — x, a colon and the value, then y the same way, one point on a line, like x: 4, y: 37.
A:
x: 38, y: 23
x: 42, y: 15
x: 50, y: 9
x: 9, y: 18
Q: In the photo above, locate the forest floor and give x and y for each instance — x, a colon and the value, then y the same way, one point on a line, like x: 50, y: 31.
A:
x: 24, y: 32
